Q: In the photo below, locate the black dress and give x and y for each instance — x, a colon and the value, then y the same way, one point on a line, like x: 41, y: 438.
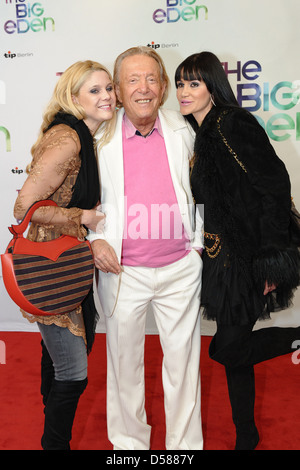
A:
x: 241, y: 238
x: 226, y: 295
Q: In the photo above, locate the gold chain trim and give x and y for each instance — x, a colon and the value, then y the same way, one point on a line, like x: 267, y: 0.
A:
x: 192, y: 162
x: 227, y: 144
x: 216, y: 246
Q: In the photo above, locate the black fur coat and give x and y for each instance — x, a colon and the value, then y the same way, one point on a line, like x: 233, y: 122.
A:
x: 246, y: 192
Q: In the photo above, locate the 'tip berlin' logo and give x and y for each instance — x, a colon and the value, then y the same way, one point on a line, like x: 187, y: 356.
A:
x: 154, y: 45
x: 13, y: 55
x: 10, y: 55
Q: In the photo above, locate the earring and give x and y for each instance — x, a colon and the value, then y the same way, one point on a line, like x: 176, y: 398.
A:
x: 212, y: 100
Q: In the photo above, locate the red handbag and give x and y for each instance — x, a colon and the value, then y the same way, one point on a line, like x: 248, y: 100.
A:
x: 46, y: 278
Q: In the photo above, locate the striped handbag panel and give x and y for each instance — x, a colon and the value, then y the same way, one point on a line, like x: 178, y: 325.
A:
x: 54, y: 286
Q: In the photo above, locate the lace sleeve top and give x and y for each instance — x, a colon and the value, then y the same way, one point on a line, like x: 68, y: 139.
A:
x: 52, y: 175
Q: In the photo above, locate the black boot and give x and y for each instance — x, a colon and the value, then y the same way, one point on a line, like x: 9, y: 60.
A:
x: 241, y: 388
x: 47, y: 373
x: 60, y: 412
x: 253, y: 347
x: 247, y: 437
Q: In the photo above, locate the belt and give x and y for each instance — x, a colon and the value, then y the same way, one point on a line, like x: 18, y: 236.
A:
x: 214, y: 250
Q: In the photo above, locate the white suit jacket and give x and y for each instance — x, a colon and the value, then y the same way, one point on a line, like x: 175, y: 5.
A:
x: 179, y: 142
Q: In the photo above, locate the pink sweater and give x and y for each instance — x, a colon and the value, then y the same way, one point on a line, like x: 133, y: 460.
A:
x: 153, y: 234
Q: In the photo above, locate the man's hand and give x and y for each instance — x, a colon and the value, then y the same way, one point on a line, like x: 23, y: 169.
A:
x: 105, y: 257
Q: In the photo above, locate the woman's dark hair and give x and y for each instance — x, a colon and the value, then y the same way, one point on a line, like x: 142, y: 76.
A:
x: 206, y: 67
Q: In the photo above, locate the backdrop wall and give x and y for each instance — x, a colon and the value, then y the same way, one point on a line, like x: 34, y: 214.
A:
x: 257, y: 41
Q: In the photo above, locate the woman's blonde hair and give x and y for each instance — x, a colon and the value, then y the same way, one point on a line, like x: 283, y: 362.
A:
x: 68, y: 86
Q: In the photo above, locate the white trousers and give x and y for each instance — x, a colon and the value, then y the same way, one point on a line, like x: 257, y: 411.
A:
x: 174, y: 292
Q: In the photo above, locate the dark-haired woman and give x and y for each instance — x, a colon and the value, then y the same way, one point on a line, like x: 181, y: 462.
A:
x: 251, y: 263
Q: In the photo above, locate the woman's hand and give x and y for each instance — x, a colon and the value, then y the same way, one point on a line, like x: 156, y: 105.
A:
x: 93, y: 219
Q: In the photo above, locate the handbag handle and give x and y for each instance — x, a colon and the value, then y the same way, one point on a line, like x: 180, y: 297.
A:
x: 19, y: 229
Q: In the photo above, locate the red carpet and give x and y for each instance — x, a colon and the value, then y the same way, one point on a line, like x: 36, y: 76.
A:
x: 21, y: 413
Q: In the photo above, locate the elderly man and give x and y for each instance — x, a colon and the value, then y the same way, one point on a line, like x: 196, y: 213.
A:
x: 146, y: 255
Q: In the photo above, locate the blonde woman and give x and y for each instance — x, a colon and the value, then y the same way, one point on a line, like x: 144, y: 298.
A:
x: 64, y: 168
